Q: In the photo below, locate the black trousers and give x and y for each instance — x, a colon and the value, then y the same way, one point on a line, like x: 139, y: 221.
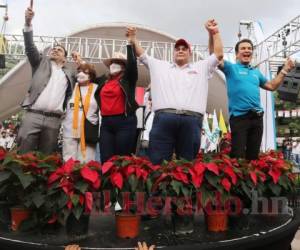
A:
x: 117, y: 136
x: 246, y: 133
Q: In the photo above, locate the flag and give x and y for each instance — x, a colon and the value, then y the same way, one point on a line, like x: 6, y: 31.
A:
x: 205, y: 134
x: 222, y: 124
x: 215, y: 133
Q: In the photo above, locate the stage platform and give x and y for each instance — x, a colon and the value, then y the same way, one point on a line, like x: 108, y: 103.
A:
x: 256, y: 232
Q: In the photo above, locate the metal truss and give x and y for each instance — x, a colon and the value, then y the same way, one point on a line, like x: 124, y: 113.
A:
x: 281, y: 44
x: 95, y: 50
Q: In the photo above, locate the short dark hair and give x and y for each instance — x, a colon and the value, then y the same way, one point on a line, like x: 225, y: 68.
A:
x: 90, y: 68
x: 245, y: 40
x: 60, y: 45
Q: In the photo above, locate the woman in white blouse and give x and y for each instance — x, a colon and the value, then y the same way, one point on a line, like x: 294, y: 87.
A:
x: 74, y: 145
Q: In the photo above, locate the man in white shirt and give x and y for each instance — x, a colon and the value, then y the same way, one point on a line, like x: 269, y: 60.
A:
x: 179, y: 97
x: 51, y: 86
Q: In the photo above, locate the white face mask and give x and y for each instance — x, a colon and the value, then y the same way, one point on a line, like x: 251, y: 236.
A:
x: 115, y: 68
x: 82, y: 77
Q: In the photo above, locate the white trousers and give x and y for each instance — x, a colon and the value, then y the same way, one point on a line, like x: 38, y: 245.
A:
x: 71, y: 149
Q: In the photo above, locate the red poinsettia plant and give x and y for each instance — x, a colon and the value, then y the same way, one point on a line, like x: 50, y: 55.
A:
x: 23, y: 177
x: 215, y: 175
x: 126, y: 176
x: 271, y: 174
x: 172, y: 184
x: 70, y: 189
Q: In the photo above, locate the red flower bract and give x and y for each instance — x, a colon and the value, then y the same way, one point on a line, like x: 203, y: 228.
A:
x: 117, y: 179
x: 213, y: 167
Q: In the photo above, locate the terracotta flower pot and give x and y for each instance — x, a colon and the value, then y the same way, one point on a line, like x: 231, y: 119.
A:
x: 127, y: 225
x: 18, y: 215
x: 217, y: 221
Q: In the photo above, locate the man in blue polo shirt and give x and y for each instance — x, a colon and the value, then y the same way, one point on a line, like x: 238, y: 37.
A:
x: 245, y: 110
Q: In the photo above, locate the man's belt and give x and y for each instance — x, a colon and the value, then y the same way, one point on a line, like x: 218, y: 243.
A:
x: 180, y: 112
x: 253, y: 113
x: 44, y: 113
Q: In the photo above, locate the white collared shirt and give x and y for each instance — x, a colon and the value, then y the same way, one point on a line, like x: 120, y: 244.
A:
x: 52, y: 97
x: 182, y: 88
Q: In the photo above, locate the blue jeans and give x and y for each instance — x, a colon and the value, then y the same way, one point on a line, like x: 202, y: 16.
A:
x: 118, y: 135
x: 173, y: 133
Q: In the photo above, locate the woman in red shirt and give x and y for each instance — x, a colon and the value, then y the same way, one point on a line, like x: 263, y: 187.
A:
x: 116, y: 99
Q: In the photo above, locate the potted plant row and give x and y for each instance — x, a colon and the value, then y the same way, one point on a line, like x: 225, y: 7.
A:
x: 57, y: 193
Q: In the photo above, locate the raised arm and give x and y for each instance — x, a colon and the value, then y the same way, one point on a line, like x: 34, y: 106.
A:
x: 131, y: 34
x: 131, y: 72
x: 215, y: 44
x: 31, y: 50
x: 276, y: 82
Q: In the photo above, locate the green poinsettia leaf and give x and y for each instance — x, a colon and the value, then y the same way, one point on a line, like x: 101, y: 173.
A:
x: 149, y: 185
x: 246, y: 190
x: 283, y: 181
x: 133, y: 181
x: 77, y: 211
x: 186, y: 192
x: 4, y: 175
x: 38, y: 199
x: 75, y: 199
x: 276, y: 189
x: 125, y: 163
x: 25, y: 179
x: 205, y: 196
x: 62, y: 200
x: 212, y: 180
x: 7, y: 160
x: 176, y: 185
x: 81, y: 186
x: 3, y: 188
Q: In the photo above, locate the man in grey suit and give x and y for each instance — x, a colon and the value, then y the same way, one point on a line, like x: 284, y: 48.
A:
x: 52, y: 84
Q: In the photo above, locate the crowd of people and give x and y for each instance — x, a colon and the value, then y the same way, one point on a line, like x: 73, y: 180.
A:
x: 7, y: 137
x: 291, y: 150
x: 88, y: 105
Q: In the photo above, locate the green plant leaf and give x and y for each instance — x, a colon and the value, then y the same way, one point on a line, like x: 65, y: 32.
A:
x: 81, y: 186
x: 276, y: 189
x: 133, y: 181
x: 38, y: 199
x: 125, y: 163
x: 75, y: 199
x: 176, y: 185
x: 7, y: 160
x: 62, y: 200
x: 4, y: 175
x: 77, y: 211
x: 25, y: 180
x: 212, y: 180
x: 246, y: 190
x: 149, y: 185
x: 186, y: 192
x: 283, y: 181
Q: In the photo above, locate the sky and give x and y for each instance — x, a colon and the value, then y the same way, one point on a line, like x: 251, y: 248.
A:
x: 179, y: 18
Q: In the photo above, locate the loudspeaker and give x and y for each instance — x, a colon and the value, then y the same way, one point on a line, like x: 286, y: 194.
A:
x: 2, y: 61
x: 289, y: 89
